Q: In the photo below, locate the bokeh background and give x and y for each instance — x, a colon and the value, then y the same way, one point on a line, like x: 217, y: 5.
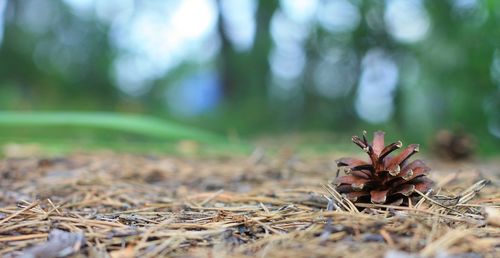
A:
x: 259, y: 67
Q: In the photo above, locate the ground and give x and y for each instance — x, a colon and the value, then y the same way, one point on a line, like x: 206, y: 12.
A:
x: 124, y: 205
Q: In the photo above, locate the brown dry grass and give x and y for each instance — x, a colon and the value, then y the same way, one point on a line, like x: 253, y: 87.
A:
x: 144, y: 206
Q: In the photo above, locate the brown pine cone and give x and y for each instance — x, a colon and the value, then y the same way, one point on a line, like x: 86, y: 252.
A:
x: 385, y: 178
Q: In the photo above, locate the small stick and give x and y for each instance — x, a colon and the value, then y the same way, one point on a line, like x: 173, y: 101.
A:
x: 19, y: 212
x: 148, y: 233
x: 96, y: 223
x: 264, y: 208
x: 265, y: 226
x: 213, y: 196
x: 370, y: 205
x: 437, y: 203
x: 25, y: 237
x: 54, y: 207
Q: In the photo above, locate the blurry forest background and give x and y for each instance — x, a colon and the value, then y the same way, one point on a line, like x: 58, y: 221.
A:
x: 259, y: 67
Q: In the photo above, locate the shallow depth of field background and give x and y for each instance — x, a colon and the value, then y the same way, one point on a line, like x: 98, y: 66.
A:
x: 254, y: 68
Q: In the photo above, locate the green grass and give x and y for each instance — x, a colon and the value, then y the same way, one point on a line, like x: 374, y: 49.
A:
x: 126, y: 123
x: 62, y: 132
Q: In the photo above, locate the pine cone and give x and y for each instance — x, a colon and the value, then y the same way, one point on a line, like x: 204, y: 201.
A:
x: 453, y: 145
x: 385, y: 179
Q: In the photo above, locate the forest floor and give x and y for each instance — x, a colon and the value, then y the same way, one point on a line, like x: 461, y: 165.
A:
x: 104, y: 204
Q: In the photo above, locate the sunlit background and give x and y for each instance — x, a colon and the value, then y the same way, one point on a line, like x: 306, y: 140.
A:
x: 258, y: 67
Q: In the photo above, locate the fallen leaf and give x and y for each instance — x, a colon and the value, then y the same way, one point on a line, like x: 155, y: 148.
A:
x: 493, y: 216
x: 59, y: 244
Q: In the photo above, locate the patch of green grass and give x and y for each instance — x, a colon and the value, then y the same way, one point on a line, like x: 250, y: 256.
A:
x: 128, y: 123
x: 62, y: 132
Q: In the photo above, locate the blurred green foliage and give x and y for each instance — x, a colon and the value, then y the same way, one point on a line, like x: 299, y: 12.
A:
x: 448, y: 79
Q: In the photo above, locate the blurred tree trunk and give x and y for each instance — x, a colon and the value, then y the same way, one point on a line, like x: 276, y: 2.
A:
x: 244, y: 73
x: 226, y: 61
x: 262, y: 46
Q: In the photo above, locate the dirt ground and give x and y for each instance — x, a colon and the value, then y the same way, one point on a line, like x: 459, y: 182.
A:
x: 120, y: 205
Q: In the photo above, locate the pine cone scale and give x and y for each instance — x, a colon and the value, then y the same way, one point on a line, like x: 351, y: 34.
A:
x: 378, y: 142
x: 403, y: 156
x: 388, y: 149
x: 379, y: 197
x: 350, y: 162
x: 355, y: 196
x: 405, y: 190
x: 361, y: 173
x: 423, y: 185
